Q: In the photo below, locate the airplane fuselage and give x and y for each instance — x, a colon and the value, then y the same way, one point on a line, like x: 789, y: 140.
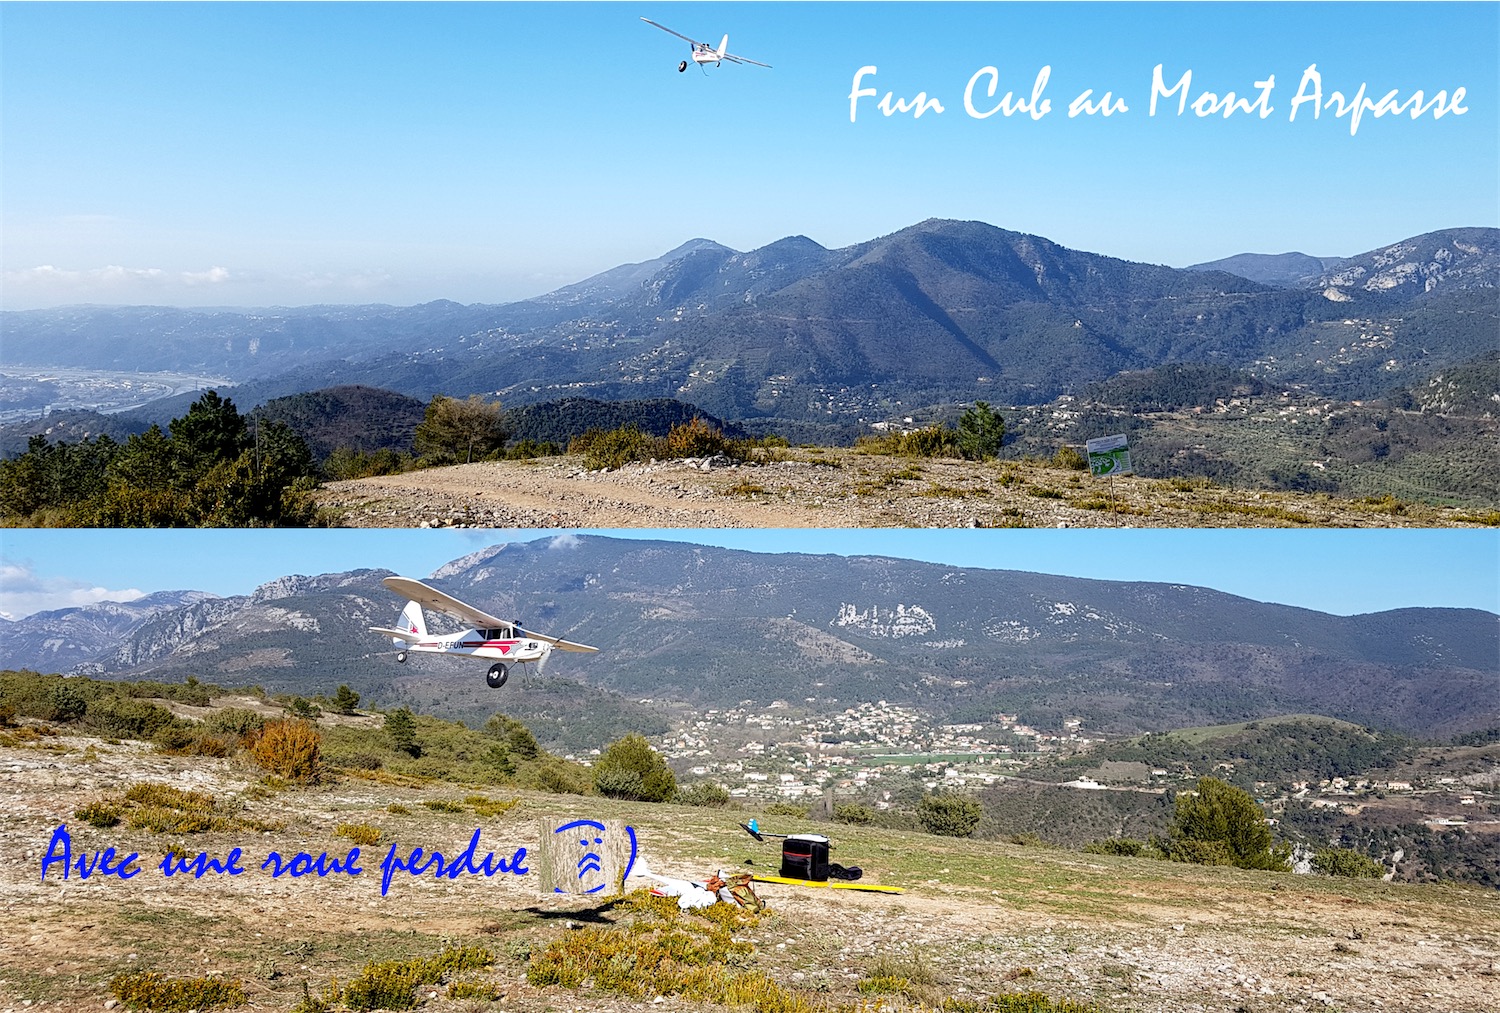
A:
x: 704, y: 53
x: 497, y: 645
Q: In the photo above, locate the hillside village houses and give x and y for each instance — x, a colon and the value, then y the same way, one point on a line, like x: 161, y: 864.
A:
x: 774, y: 753
x: 780, y: 755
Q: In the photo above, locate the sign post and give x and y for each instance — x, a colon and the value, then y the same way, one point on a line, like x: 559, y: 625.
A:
x: 1109, y: 455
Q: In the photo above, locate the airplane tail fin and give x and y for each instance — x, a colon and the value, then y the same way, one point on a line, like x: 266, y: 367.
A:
x: 413, y: 620
x: 723, y: 47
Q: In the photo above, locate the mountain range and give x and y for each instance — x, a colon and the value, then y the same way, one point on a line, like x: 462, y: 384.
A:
x: 714, y: 627
x: 941, y: 312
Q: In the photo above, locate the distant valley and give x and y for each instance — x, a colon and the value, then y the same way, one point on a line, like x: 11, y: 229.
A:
x: 937, y: 314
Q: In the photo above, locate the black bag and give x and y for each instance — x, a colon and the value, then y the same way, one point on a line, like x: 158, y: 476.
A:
x: 805, y: 856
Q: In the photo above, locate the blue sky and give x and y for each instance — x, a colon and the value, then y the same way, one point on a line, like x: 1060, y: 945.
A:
x: 255, y: 154
x: 1341, y: 571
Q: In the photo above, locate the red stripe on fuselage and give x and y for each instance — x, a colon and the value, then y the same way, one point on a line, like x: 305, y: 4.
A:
x: 501, y: 644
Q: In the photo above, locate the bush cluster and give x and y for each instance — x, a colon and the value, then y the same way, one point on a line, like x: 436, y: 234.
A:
x: 289, y: 749
x: 393, y: 984
x: 705, y: 793
x: 630, y: 769
x: 978, y: 437
x: 614, y: 448
x: 1346, y: 862
x: 950, y: 815
x: 151, y: 990
x: 212, y: 469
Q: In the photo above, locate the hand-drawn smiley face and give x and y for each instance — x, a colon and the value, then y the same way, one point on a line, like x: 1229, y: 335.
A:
x: 590, y: 836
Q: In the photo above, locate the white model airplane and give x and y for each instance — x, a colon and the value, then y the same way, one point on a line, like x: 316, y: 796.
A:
x: 488, y: 637
x: 705, y: 53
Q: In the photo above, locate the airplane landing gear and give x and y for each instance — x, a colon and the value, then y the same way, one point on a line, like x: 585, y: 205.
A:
x: 682, y: 66
x: 400, y: 657
x: 496, y: 676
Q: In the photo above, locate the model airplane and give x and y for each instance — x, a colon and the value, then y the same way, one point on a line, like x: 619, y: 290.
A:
x: 703, y: 52
x: 489, y: 638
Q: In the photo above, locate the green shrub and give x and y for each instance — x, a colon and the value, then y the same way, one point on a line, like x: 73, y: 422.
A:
x: 695, y: 439
x: 530, y: 449
x: 393, y: 984
x: 346, y: 463
x: 100, y: 813
x: 344, y: 700
x: 122, y: 717
x: 558, y: 776
x: 66, y: 703
x: 616, y: 447
x: 1217, y: 820
x: 301, y: 707
x: 932, y: 441
x: 488, y: 807
x: 950, y: 815
x: 484, y: 991
x: 1347, y: 862
x: 1036, y: 1002
x: 856, y: 813
x: 630, y: 769
x: 1071, y: 459
x: 1200, y: 852
x: 183, y: 739
x: 787, y: 809
x: 1116, y: 846
x: 153, y: 991
x: 235, y: 721
x: 980, y: 433
x: 360, y: 833
x: 518, y: 740
x: 705, y: 794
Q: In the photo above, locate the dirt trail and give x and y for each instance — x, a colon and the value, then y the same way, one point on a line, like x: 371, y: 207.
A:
x: 833, y: 488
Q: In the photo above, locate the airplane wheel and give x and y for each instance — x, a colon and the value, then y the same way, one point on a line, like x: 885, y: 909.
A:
x: 682, y: 66
x: 400, y: 657
x: 496, y: 676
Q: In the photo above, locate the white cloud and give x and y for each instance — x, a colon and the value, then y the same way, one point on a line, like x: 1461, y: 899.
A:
x: 23, y: 592
x: 567, y: 541
x: 51, y: 285
x: 213, y: 276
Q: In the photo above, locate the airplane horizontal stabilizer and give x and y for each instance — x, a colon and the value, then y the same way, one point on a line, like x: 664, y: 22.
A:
x: 402, y: 635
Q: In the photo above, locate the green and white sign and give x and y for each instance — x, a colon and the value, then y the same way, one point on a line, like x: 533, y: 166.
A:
x: 1109, y: 455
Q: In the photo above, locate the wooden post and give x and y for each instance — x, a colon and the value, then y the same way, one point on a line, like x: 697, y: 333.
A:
x: 584, y: 856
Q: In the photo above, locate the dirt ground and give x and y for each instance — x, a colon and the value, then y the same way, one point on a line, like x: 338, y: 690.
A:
x: 832, y: 488
x: 985, y: 917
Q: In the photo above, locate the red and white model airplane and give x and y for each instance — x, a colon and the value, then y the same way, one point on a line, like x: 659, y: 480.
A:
x: 703, y: 52
x: 488, y: 638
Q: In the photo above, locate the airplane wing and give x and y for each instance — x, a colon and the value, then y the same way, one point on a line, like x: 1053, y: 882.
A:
x: 561, y: 645
x: 432, y: 598
x: 669, y: 31
x: 741, y: 59
x: 404, y: 635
